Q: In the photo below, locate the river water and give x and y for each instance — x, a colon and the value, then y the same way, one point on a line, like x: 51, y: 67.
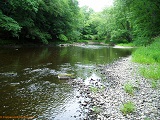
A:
x: 29, y: 82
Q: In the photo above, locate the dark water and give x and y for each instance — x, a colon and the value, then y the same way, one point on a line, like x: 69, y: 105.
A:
x: 29, y: 83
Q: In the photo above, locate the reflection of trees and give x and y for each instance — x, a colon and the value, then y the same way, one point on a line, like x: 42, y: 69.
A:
x: 64, y: 55
x: 44, y: 54
x: 27, y: 57
x: 24, y: 57
x: 98, y: 56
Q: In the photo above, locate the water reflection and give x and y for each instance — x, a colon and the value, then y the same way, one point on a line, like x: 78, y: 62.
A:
x: 29, y: 83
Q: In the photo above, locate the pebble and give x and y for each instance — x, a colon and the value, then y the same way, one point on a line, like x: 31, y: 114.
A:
x: 111, y: 99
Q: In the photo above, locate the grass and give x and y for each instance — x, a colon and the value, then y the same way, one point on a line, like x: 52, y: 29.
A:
x: 150, y: 56
x: 146, y: 55
x: 154, y: 83
x: 127, y: 108
x: 129, y: 88
x: 126, y: 44
x: 152, y: 72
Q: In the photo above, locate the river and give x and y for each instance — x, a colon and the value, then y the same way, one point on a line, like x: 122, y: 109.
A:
x: 29, y: 82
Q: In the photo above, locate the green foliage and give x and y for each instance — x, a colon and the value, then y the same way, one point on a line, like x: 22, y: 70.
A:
x: 47, y: 20
x: 43, y: 36
x: 127, y: 108
x: 83, y: 41
x: 73, y: 36
x: 127, y: 44
x: 145, y: 24
x: 129, y: 88
x: 63, y: 37
x: 142, y: 41
x: 27, y: 5
x: 134, y: 20
x: 9, y: 24
x: 43, y: 20
x: 89, y: 23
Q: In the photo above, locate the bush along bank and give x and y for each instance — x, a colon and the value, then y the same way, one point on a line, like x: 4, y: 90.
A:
x: 125, y: 94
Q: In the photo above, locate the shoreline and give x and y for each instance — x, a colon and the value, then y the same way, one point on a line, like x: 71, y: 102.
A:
x: 61, y: 45
x: 105, y: 104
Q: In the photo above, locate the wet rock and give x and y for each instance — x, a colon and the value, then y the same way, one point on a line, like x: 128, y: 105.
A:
x: 65, y: 76
x: 9, y: 74
x: 14, y: 84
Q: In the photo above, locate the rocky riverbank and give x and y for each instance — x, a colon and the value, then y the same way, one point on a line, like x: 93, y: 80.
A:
x: 104, y: 101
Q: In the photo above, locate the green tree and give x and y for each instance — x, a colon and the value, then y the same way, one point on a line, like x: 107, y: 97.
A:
x: 8, y: 25
x: 145, y: 20
x: 88, y: 28
x: 41, y: 20
x: 131, y: 20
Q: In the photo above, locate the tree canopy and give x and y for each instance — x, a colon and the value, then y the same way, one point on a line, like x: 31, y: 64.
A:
x: 62, y: 20
x: 130, y: 21
x: 41, y: 20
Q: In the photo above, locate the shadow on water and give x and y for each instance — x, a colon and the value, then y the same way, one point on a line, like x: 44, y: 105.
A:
x: 29, y: 83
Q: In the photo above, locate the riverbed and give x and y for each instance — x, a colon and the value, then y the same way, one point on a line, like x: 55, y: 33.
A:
x: 29, y: 82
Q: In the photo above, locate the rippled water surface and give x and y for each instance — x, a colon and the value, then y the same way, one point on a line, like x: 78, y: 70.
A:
x: 29, y: 83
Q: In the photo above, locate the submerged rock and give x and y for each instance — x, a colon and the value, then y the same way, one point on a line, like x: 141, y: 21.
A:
x: 9, y: 74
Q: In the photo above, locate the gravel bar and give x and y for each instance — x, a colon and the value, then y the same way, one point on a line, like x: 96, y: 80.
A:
x: 106, y: 103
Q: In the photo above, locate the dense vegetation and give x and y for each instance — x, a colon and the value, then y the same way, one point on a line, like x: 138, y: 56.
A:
x: 39, y: 20
x: 128, y: 21
x: 47, y: 21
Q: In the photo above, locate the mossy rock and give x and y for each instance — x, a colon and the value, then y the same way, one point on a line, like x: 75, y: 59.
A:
x: 65, y: 76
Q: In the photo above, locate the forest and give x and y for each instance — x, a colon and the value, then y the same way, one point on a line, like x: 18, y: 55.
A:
x: 49, y: 21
